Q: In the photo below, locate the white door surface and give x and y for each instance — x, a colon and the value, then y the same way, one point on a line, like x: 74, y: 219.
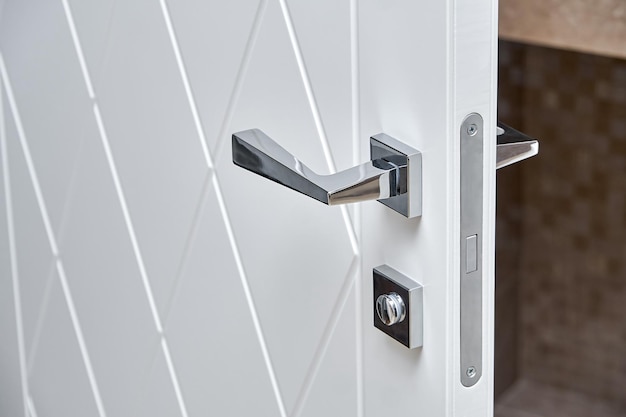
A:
x: 142, y: 273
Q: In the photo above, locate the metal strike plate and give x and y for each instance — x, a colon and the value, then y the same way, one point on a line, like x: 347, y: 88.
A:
x: 408, y: 326
x: 471, y: 268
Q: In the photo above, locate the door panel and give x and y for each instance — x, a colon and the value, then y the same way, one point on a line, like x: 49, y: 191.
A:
x: 191, y: 287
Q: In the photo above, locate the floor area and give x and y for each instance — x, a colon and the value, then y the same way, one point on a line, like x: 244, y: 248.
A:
x: 533, y: 399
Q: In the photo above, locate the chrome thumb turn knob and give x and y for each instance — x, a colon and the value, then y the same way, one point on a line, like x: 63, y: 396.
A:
x: 390, y: 308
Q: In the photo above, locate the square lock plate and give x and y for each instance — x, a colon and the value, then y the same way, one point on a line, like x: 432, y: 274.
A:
x: 409, y: 329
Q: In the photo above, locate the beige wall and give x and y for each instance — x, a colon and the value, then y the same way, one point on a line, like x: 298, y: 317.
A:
x: 597, y: 26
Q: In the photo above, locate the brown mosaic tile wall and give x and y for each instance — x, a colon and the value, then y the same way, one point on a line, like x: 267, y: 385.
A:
x: 568, y: 211
x: 508, y: 226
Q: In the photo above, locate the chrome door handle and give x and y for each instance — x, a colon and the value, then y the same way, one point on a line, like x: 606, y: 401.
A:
x: 513, y: 146
x: 393, y: 175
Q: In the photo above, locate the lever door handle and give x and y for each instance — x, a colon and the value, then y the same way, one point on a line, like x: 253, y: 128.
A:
x: 392, y: 176
x: 513, y: 146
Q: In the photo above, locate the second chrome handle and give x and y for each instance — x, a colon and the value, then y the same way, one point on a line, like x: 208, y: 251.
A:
x: 392, y: 176
x: 513, y: 146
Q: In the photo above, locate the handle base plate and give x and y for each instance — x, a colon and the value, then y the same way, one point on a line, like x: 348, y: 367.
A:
x: 408, y: 200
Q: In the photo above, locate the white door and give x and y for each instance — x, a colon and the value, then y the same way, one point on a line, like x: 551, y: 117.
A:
x: 142, y: 273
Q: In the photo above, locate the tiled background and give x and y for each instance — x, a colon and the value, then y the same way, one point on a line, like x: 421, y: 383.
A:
x: 561, y: 300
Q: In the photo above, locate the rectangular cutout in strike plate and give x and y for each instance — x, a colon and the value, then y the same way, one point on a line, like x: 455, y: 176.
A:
x: 471, y: 270
x: 471, y: 254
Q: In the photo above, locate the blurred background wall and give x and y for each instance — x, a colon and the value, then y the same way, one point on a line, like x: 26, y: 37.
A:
x: 561, y: 229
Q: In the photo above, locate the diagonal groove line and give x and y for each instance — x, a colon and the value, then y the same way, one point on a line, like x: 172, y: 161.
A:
x: 27, y: 157
x: 174, y: 377
x: 320, y: 352
x: 70, y: 195
x: 306, y: 81
x: 185, y: 79
x: 79, y: 335
x: 307, y: 86
x: 231, y: 237
x: 354, y: 242
x: 53, y: 244
x: 32, y: 411
x: 188, y: 245
x: 17, y: 299
x: 248, y: 294
x: 79, y: 51
x: 30, y: 357
x: 127, y: 219
x: 241, y: 75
